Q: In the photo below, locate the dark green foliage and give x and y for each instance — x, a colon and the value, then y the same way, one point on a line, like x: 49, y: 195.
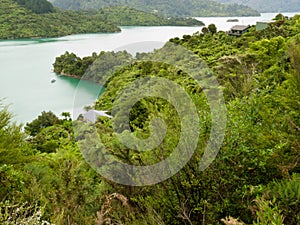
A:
x: 212, y: 28
x: 70, y: 64
x: 294, y: 52
x: 94, y: 67
x: 205, y: 30
x: 19, y: 22
x: 279, y: 17
x: 46, y: 119
x: 37, y: 6
x: 173, y: 8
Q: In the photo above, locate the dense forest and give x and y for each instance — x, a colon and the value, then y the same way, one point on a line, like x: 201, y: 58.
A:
x: 17, y: 21
x: 37, y: 6
x: 35, y: 19
x: 254, y: 179
x: 169, y: 8
x: 268, y: 5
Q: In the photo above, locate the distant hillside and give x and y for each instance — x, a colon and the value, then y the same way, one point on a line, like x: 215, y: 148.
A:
x: 268, y: 5
x: 18, y: 21
x: 125, y: 16
x: 177, y: 8
x: 37, y: 6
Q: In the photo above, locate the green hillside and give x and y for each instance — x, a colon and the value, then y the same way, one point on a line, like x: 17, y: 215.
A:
x: 37, y: 6
x: 268, y: 5
x: 255, y: 176
x: 125, y: 16
x: 17, y: 21
x: 166, y: 8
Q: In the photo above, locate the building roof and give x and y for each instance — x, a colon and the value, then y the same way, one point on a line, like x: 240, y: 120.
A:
x: 240, y: 27
x: 92, y: 115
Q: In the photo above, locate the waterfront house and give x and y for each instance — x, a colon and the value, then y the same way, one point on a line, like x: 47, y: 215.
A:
x: 238, y: 30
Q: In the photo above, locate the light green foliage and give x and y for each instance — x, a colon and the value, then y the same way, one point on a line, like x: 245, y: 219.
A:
x: 258, y: 73
x: 268, y: 213
x: 11, y: 139
x: 38, y: 187
x: 65, y: 185
x: 261, y: 138
x: 286, y: 195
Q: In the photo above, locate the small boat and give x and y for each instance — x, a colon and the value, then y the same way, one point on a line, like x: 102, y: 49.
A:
x: 53, y: 80
x: 232, y: 20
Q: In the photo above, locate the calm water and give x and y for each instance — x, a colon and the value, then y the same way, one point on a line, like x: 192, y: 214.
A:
x: 26, y: 65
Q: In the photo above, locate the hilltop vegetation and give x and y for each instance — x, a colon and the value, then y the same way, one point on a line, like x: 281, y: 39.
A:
x: 168, y: 8
x: 268, y: 5
x: 37, y: 6
x: 255, y: 177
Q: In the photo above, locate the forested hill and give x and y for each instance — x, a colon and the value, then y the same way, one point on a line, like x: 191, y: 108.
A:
x: 39, y: 20
x: 268, y: 5
x: 17, y: 21
x: 168, y: 8
x: 125, y: 16
x: 37, y: 6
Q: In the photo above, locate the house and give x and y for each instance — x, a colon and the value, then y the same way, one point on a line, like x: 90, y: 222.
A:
x: 238, y: 30
x: 92, y: 115
x: 261, y: 25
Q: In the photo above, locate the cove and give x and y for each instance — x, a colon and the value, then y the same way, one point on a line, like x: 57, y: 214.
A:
x: 26, y: 67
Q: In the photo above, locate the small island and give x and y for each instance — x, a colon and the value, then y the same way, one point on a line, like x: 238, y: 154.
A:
x: 232, y: 20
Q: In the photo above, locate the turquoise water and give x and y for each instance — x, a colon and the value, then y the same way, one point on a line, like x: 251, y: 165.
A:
x: 26, y: 67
